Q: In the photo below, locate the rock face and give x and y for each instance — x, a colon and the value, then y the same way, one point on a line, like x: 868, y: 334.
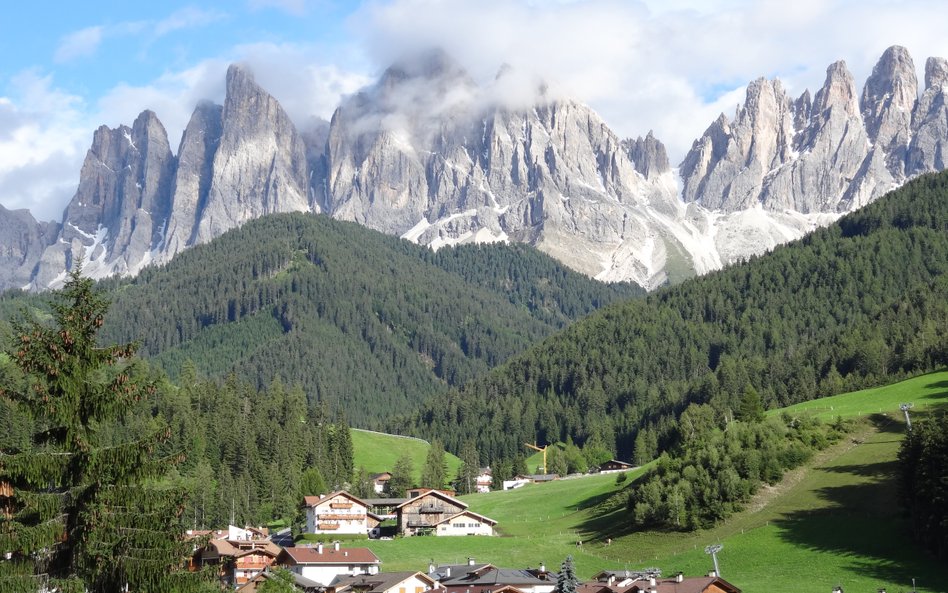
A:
x: 835, y: 154
x: 648, y: 155
x: 22, y: 241
x: 260, y: 164
x: 115, y: 220
x: 428, y: 154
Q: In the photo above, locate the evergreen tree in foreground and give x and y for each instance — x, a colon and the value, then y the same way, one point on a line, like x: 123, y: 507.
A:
x: 566, y: 582
x: 80, y: 509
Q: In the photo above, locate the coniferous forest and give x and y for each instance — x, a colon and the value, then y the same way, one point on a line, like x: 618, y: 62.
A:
x: 860, y: 303
x: 360, y: 320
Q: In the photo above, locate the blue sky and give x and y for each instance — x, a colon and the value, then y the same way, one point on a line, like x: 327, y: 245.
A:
x: 666, y: 65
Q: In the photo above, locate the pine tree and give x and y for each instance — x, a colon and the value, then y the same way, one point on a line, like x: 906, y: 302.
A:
x: 470, y: 467
x: 566, y: 582
x: 402, y: 478
x: 435, y: 472
x: 80, y: 511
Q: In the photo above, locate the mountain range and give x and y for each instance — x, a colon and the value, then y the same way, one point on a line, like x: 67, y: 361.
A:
x: 430, y: 155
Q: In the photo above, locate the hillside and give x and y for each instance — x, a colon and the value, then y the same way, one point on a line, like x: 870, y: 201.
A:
x: 361, y: 320
x: 378, y: 452
x: 838, y: 513
x: 854, y: 305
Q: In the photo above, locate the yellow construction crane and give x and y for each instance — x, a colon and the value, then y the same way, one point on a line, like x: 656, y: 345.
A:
x: 541, y: 450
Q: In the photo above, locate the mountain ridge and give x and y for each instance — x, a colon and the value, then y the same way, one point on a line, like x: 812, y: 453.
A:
x: 428, y: 154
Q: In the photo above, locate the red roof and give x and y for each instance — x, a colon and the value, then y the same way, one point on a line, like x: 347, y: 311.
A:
x: 329, y: 555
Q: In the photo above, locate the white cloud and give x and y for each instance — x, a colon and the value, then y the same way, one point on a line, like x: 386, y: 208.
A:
x: 79, y: 44
x: 187, y: 18
x: 41, y: 147
x: 667, y: 65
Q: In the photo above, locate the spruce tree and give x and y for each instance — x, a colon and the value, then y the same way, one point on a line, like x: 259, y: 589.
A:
x: 435, y: 471
x: 470, y: 467
x: 566, y: 582
x: 82, y: 510
x: 402, y: 478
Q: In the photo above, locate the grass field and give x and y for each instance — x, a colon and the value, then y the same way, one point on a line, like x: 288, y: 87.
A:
x: 378, y: 452
x: 923, y: 391
x: 832, y: 522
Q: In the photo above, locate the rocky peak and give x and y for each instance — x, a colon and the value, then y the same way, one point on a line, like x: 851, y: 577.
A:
x: 260, y: 163
x: 889, y: 95
x: 839, y: 91
x: 936, y: 73
x: 648, y: 155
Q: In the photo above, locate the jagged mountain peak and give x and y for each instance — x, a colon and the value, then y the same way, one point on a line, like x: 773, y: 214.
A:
x: 839, y: 90
x: 936, y: 73
x: 889, y: 94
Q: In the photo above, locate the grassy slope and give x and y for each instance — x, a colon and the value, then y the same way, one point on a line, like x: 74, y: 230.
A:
x: 835, y: 521
x: 378, y: 452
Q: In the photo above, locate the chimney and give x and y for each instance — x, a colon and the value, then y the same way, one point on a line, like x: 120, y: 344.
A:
x: 651, y: 582
x: 345, y: 553
x: 335, y: 545
x: 319, y: 548
x: 681, y: 577
x: 470, y: 562
x: 612, y: 579
x: 712, y: 574
x: 542, y: 567
x: 838, y: 589
x: 431, y: 567
x: 447, y: 571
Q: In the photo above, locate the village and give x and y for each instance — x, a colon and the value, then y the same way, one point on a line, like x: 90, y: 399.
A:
x: 245, y: 558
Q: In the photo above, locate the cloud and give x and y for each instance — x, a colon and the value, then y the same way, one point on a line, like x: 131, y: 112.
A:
x: 42, y: 145
x: 187, y: 18
x: 666, y: 65
x: 84, y: 42
x: 79, y: 44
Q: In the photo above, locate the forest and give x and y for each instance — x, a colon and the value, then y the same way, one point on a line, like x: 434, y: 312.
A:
x: 360, y: 320
x: 860, y: 303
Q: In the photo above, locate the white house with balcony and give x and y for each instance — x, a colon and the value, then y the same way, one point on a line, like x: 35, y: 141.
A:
x: 335, y: 513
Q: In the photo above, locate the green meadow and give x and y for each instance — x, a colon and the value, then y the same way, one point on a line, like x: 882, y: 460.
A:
x: 834, y: 521
x: 378, y: 452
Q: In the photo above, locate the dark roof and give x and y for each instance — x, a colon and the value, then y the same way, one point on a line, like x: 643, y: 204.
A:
x: 618, y: 462
x: 329, y: 555
x: 539, y: 477
x: 639, y: 582
x: 440, y: 572
x: 491, y: 575
x: 384, y: 502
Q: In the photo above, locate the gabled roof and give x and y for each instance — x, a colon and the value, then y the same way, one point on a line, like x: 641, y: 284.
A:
x: 437, y: 493
x: 636, y: 582
x: 618, y: 462
x: 269, y: 548
x: 450, y: 571
x: 492, y: 575
x: 328, y: 556
x: 480, y: 518
x: 310, y: 501
x: 378, y: 583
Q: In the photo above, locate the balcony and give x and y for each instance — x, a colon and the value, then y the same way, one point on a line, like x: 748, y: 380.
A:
x: 431, y: 509
x: 330, y: 517
x: 327, y: 526
x: 340, y: 505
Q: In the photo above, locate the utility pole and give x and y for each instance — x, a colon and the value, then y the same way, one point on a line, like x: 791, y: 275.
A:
x: 908, y: 421
x: 713, y: 550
